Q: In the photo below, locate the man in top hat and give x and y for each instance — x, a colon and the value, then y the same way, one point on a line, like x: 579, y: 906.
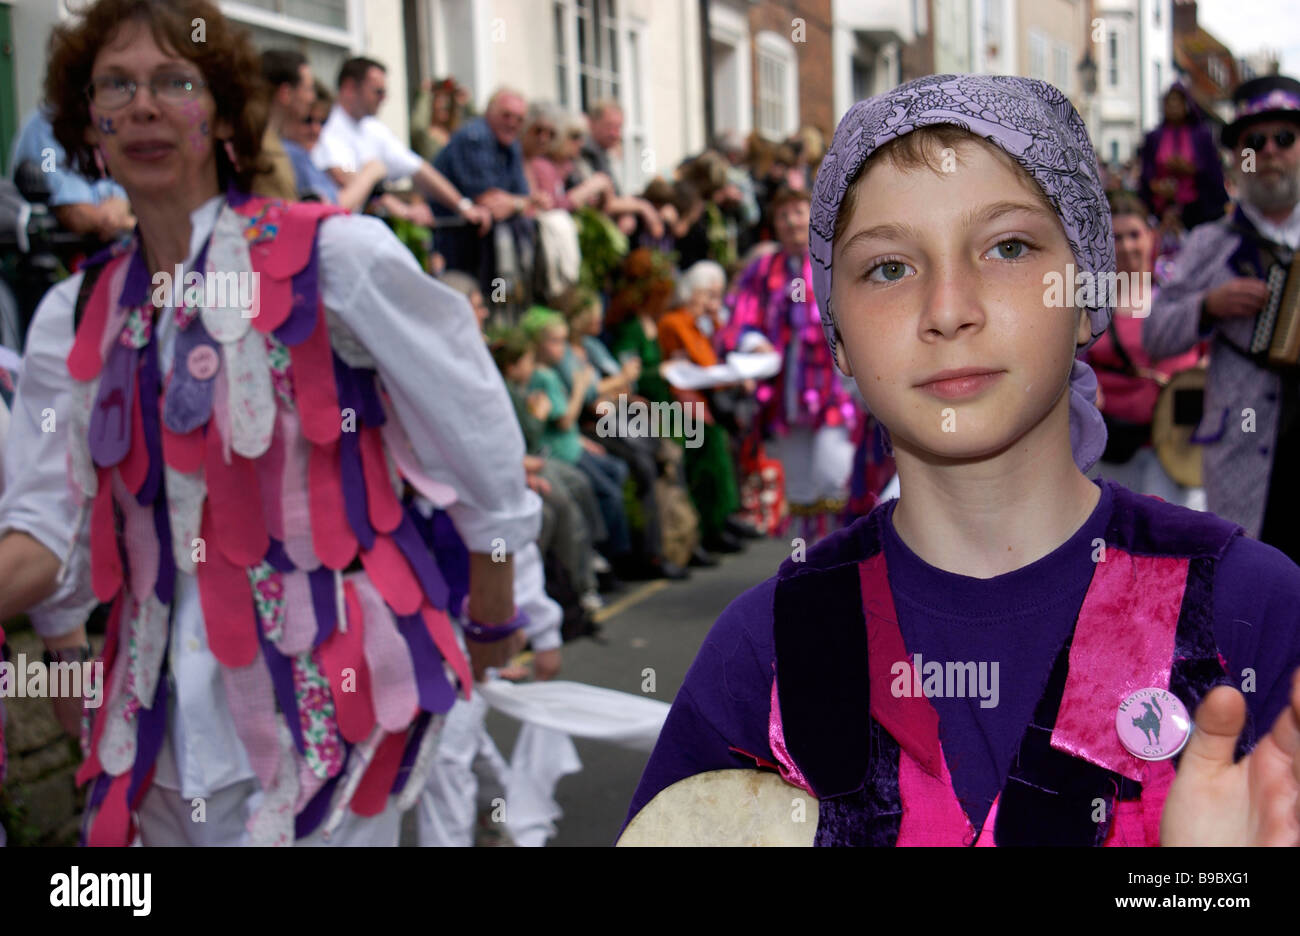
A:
x: 1216, y: 289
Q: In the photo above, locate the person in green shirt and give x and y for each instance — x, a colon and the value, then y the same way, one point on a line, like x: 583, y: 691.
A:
x: 572, y: 522
x: 560, y: 436
x: 642, y: 289
x: 643, y: 292
x: 615, y: 382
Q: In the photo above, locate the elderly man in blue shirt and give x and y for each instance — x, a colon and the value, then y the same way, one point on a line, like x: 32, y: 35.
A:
x: 485, y: 161
x: 81, y: 205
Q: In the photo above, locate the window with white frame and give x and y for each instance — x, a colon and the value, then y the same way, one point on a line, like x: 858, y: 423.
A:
x: 1112, y: 58
x: 600, y: 55
x: 1037, y: 55
x: 733, y: 90
x: 332, y: 13
x: 561, y: 56
x: 777, y: 109
x: 597, y: 48
x: 636, y: 134
x: 1061, y: 66
x: 326, y: 31
x: 993, y: 22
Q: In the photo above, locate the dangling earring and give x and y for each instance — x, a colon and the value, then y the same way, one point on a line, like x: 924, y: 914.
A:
x: 230, y: 153
x: 100, y: 162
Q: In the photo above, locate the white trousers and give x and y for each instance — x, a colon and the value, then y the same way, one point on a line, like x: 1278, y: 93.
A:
x: 168, y: 818
x: 468, y: 770
x: 447, y: 808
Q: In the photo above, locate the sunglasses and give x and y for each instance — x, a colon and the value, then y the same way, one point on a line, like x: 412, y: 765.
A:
x: 1284, y: 139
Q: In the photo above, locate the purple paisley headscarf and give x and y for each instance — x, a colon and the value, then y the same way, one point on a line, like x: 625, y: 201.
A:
x: 1035, y: 124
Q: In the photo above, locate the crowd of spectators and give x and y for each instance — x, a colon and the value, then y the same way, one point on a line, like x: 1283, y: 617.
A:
x: 584, y: 286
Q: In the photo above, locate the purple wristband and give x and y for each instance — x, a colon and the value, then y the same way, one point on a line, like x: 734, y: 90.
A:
x: 491, y: 633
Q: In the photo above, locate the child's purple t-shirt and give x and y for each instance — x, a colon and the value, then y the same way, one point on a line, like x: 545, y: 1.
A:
x: 1019, y: 620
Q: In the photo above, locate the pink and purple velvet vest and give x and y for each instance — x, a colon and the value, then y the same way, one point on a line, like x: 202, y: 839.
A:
x: 875, y: 760
x: 267, y: 463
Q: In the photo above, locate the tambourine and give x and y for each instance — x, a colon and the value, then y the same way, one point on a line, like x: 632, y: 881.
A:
x: 726, y: 808
x: 1174, y: 420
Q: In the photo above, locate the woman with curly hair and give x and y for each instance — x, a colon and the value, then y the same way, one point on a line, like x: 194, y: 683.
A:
x: 645, y: 285
x: 239, y: 442
x: 642, y: 288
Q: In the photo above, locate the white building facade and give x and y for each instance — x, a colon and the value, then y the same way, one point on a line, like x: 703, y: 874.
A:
x: 1134, y: 55
x: 643, y: 53
x: 327, y: 31
x: 866, y: 46
x: 954, y: 37
x: 993, y: 36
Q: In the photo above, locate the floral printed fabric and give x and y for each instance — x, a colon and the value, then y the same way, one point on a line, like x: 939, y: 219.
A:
x: 324, y: 749
x: 268, y: 595
x: 139, y: 326
x: 277, y: 356
x: 262, y: 226
x: 1037, y: 126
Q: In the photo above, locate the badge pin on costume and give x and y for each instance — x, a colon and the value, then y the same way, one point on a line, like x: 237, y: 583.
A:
x: 203, y: 362
x: 1153, y: 724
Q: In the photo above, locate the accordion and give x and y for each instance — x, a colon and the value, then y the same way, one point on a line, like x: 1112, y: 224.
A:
x: 1277, y: 328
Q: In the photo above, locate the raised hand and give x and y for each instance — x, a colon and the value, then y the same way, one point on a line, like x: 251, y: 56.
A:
x: 1255, y: 801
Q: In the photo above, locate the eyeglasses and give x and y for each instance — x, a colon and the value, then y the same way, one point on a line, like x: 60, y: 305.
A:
x: 112, y: 92
x: 1284, y: 139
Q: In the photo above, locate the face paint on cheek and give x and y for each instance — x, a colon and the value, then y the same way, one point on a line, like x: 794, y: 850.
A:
x: 103, y: 124
x: 199, y: 133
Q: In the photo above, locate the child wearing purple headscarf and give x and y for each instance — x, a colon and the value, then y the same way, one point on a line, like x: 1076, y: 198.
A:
x: 1010, y: 653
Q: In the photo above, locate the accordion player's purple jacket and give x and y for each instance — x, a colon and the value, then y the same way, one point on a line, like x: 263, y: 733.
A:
x: 1237, y: 462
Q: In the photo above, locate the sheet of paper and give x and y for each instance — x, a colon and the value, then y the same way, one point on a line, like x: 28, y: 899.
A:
x: 685, y: 375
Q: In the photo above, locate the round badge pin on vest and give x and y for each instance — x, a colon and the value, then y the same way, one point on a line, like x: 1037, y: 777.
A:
x: 203, y: 362
x: 1153, y: 724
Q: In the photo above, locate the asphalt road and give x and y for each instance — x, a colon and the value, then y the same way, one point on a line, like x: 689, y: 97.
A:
x: 663, y: 631
x: 658, y: 625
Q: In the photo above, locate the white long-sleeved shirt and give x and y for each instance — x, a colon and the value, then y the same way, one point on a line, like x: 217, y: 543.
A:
x: 445, y: 391
x: 349, y: 144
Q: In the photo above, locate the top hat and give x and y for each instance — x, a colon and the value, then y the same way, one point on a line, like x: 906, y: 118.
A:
x: 1271, y: 97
